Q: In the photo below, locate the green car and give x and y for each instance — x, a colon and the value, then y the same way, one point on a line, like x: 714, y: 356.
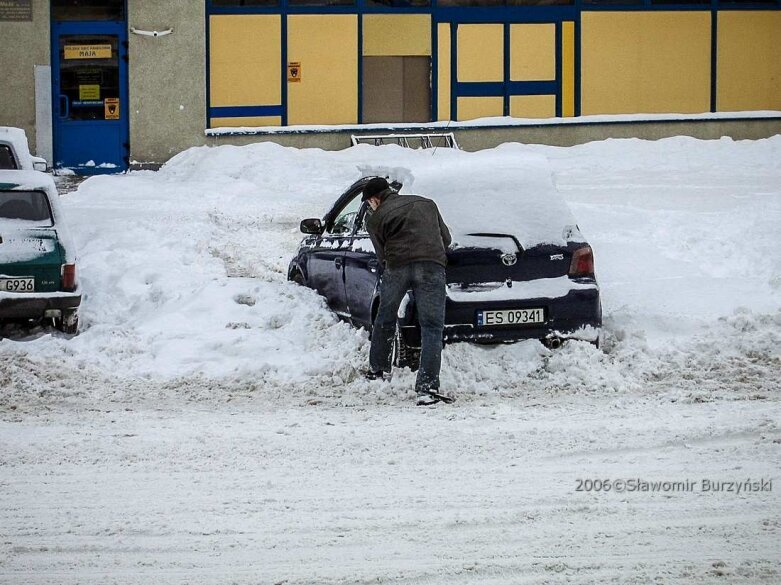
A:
x: 37, y: 257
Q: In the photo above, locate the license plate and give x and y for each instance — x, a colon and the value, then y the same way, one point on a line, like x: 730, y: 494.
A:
x: 511, y: 317
x: 17, y: 284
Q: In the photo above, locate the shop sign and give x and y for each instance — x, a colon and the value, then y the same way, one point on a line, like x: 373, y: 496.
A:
x: 87, y: 51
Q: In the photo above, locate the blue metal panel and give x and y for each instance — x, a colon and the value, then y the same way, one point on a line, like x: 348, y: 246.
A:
x: 90, y: 146
x: 558, y: 42
x: 244, y: 111
x: 453, y: 70
x: 714, y: 52
x: 506, y: 93
x: 360, y: 68
x: 499, y: 89
x: 283, y: 20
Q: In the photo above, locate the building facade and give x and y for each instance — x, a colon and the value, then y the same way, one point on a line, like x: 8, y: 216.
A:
x: 100, y: 84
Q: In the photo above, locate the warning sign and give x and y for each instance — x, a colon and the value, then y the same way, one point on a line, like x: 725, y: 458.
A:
x: 111, y: 107
x: 294, y: 71
x: 89, y: 92
x: 88, y: 51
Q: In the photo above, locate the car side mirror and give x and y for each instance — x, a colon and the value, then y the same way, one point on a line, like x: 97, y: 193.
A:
x: 39, y: 165
x: 311, y: 226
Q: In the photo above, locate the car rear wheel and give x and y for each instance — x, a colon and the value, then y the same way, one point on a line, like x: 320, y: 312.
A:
x: 69, y: 322
x: 404, y: 355
x: 298, y: 278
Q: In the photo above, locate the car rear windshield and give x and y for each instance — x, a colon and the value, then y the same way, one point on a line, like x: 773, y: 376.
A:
x: 7, y: 160
x: 28, y: 206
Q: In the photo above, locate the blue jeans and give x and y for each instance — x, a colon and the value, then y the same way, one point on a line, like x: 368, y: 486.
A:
x: 427, y: 281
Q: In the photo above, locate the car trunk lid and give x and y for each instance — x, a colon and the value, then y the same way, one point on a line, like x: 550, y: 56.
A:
x: 484, y: 259
x: 33, y: 252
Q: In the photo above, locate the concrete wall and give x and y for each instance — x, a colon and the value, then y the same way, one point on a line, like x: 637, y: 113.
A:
x: 23, y: 45
x: 472, y: 139
x: 167, y: 78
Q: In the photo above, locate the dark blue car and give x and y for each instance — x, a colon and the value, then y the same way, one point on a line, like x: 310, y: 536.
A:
x: 500, y: 289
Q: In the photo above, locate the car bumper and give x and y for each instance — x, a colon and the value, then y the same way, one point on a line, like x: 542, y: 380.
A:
x: 575, y: 315
x: 15, y: 306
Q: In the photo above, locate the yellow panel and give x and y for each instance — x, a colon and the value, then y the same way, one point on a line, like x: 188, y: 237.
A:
x: 327, y: 48
x: 245, y: 60
x: 397, y: 35
x: 645, y: 62
x: 251, y: 122
x: 443, y: 72
x: 533, y: 106
x: 567, y: 68
x: 470, y: 108
x: 533, y: 52
x: 749, y: 61
x: 480, y: 52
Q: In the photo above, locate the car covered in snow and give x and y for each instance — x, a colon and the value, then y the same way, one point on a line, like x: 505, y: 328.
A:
x: 518, y: 267
x: 15, y: 151
x: 37, y: 256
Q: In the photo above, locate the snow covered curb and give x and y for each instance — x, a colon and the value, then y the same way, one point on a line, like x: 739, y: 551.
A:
x: 497, y: 122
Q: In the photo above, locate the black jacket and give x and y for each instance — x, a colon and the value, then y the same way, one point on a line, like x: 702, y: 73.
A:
x: 408, y: 228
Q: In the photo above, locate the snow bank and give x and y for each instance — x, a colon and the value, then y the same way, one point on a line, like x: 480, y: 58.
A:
x: 183, y: 272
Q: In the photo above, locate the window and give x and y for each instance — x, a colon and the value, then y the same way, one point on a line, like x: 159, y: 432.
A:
x: 539, y: 2
x: 470, y: 2
x: 399, y: 3
x: 245, y: 3
x: 88, y: 9
x: 343, y: 224
x: 7, y: 160
x: 321, y: 2
x: 25, y: 206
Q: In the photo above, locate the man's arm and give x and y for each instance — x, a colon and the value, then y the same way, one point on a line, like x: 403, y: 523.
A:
x: 446, y: 239
x: 378, y: 241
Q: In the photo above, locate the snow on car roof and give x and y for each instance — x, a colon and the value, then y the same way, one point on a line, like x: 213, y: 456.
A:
x: 38, y: 181
x: 29, y: 180
x: 493, y: 193
x: 18, y: 141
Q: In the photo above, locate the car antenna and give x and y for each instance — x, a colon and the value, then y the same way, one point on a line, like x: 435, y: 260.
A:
x: 444, y: 132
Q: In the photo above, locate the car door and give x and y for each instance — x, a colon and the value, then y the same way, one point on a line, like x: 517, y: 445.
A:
x: 326, y: 260
x: 361, y: 272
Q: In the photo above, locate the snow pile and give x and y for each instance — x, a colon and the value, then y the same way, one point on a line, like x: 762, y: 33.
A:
x: 185, y: 293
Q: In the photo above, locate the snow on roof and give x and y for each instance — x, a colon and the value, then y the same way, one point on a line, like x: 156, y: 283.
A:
x: 492, y: 193
x: 18, y: 141
x: 30, y: 180
x: 37, y: 181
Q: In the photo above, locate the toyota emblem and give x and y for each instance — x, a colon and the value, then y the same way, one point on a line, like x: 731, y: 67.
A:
x: 509, y: 259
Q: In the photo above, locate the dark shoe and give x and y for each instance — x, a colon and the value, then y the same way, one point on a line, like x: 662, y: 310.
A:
x: 427, y: 396
x: 426, y: 399
x: 371, y: 375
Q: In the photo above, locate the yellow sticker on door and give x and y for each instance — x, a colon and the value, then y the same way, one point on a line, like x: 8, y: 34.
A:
x: 89, y: 92
x: 294, y: 71
x: 88, y: 51
x: 111, y: 107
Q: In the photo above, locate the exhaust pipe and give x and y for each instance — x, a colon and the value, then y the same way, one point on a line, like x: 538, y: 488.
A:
x: 554, y: 342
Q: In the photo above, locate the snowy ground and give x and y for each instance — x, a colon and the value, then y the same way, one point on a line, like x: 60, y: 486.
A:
x: 209, y: 426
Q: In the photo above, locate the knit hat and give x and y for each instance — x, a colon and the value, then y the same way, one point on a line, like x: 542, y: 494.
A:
x: 374, y: 187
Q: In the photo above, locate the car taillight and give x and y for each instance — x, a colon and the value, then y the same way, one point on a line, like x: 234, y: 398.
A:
x: 582, y: 262
x: 68, y: 277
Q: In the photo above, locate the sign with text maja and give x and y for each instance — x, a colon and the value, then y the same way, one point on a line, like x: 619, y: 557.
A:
x: 87, y: 51
x: 16, y: 10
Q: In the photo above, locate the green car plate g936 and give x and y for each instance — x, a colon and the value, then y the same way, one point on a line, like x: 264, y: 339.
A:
x: 37, y: 256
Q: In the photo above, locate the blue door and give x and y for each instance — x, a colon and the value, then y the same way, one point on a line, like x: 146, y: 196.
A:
x: 90, y: 97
